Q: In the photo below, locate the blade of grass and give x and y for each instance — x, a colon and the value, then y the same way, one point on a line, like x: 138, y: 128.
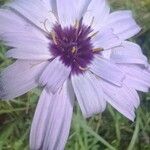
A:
x: 135, y: 134
x: 93, y: 133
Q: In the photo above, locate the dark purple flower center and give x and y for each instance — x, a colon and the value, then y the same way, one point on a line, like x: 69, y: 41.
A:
x: 73, y: 46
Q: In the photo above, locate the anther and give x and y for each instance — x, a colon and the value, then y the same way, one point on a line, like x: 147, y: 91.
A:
x: 97, y: 49
x: 74, y: 50
x: 54, y: 37
x: 93, y: 35
x: 77, y: 23
x: 44, y: 23
x: 83, y: 69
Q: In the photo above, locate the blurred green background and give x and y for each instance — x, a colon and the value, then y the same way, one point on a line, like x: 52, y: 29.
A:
x: 109, y: 131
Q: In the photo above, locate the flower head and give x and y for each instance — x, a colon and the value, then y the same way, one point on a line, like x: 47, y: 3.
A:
x: 72, y: 49
x: 73, y: 45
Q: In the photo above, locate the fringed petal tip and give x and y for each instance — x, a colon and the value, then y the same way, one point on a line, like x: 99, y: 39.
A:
x: 124, y: 99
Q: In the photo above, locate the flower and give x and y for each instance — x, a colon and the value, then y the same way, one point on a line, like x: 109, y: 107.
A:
x: 72, y: 49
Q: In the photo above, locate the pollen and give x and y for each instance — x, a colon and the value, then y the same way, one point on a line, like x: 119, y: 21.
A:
x: 74, y: 50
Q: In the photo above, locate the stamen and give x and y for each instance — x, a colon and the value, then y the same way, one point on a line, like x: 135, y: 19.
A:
x: 92, y: 21
x: 93, y: 35
x: 79, y: 32
x: 83, y: 69
x: 77, y: 23
x: 54, y: 37
x: 44, y: 23
x: 97, y: 49
x: 74, y: 50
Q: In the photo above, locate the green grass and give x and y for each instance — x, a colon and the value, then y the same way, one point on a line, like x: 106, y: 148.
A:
x: 109, y: 131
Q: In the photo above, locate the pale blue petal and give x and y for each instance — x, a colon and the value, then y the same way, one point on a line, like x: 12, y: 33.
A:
x: 107, y: 70
x: 20, y: 77
x: 89, y: 94
x: 54, y: 75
